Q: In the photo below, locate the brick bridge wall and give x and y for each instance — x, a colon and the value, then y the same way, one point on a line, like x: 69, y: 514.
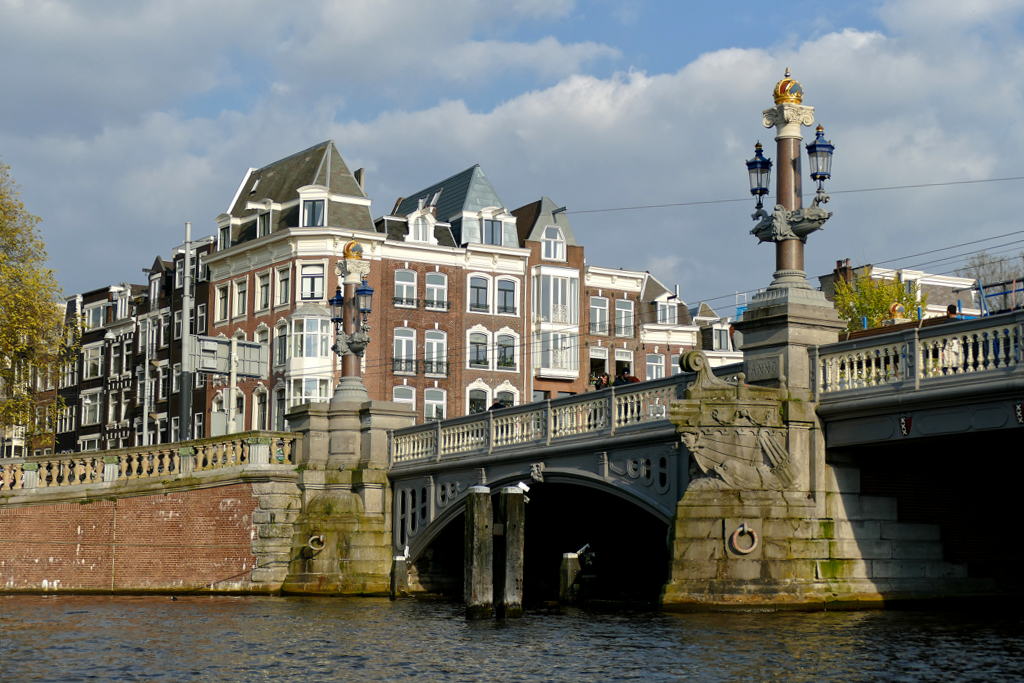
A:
x: 185, y: 540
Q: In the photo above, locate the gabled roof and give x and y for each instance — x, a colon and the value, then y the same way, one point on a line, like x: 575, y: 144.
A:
x: 466, y: 191
x: 531, y: 220
x: 280, y: 181
x: 702, y: 310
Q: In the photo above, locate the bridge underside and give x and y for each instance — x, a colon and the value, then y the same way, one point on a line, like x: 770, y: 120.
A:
x: 649, y: 475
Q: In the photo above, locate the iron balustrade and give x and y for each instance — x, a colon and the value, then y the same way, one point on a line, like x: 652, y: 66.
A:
x: 405, y: 303
x: 511, y: 310
x: 407, y: 365
x: 594, y: 414
x: 432, y: 305
x: 435, y: 367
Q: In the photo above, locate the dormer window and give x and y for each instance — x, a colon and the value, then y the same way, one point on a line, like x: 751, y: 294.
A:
x: 500, y: 233
x: 553, y: 244
x: 313, y: 213
x: 224, y: 238
x: 263, y: 225
x: 668, y: 313
x: 420, y: 230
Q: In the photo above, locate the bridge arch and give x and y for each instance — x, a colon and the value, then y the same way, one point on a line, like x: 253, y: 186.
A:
x: 424, y: 508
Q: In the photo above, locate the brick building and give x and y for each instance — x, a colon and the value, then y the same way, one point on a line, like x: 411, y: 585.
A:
x: 474, y: 304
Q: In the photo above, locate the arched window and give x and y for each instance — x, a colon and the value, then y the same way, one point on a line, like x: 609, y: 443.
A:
x: 507, y: 398
x: 479, y: 294
x: 404, y: 394
x: 553, y: 244
x: 506, y: 352
x: 405, y: 288
x: 435, y: 353
x: 506, y: 297
x: 420, y: 231
x: 404, y: 360
x: 437, y: 291
x: 260, y: 419
x: 477, y: 401
x: 433, y: 404
x: 478, y: 350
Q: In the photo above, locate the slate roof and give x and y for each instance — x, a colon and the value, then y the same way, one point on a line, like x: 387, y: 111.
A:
x: 319, y: 165
x: 702, y: 310
x: 533, y: 218
x: 466, y: 191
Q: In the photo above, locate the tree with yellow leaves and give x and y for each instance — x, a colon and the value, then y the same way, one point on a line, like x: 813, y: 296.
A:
x: 31, y: 320
x: 873, y: 299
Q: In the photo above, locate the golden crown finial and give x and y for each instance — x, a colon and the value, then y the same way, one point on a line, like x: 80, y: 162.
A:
x: 788, y: 90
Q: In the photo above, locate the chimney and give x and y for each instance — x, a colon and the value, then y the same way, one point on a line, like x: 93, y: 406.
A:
x: 359, y: 175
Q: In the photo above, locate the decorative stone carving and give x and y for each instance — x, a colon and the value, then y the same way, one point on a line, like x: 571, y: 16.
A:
x: 352, y: 271
x: 781, y: 224
x: 734, y: 432
x: 788, y: 117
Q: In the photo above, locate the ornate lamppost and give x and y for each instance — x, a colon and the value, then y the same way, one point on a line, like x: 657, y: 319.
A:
x: 789, y: 224
x: 785, y: 321
x: 349, y: 311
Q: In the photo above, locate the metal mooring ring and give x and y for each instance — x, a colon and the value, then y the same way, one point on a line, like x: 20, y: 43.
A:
x: 317, y: 542
x: 734, y: 540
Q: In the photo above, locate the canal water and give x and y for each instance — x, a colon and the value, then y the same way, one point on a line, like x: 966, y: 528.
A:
x: 154, y: 638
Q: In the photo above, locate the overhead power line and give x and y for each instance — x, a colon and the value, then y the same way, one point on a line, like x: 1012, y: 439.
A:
x: 746, y: 199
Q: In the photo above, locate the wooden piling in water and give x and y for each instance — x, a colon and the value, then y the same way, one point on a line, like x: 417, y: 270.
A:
x: 478, y: 573
x: 508, y: 556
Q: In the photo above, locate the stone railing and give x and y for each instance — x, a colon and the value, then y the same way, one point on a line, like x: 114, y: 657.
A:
x: 150, y: 462
x: 907, y: 357
x: 542, y: 423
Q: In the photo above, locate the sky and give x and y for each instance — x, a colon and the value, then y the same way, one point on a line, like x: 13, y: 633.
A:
x: 122, y: 121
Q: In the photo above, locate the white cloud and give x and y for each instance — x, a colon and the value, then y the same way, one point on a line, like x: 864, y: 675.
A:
x: 901, y: 111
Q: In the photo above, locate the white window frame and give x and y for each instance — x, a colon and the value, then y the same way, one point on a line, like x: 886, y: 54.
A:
x: 200, y: 318
x: 312, y: 278
x: 506, y: 332
x: 261, y: 302
x: 472, y: 346
x: 655, y: 366
x: 484, y: 308
x: 283, y: 286
x: 498, y: 298
x: 430, y: 405
x: 404, y: 351
x: 241, y: 295
x: 176, y: 378
x: 223, y: 303
x: 553, y: 248
x: 403, y: 388
x: 402, y: 288
x: 177, y: 325
x: 92, y: 408
x: 668, y: 313
x: 600, y: 325
x: 92, y: 362
x: 310, y: 217
x: 436, y: 295
x: 624, y: 318
x: 435, y: 353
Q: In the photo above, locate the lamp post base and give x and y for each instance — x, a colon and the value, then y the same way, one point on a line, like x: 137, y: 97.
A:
x: 350, y: 390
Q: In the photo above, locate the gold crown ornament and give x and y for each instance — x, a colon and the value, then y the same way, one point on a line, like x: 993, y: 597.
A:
x: 788, y: 90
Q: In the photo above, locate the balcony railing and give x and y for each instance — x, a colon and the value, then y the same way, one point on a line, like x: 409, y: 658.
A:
x: 508, y: 310
x: 436, y: 305
x: 435, y: 367
x: 404, y: 365
x: 479, y: 308
x: 405, y: 303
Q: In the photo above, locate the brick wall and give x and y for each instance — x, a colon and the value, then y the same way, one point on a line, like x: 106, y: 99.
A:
x: 185, y: 540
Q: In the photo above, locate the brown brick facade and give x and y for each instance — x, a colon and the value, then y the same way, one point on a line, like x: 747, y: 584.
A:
x: 179, y: 541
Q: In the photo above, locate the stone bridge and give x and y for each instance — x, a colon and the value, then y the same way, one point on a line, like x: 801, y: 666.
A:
x: 956, y: 378
x: 619, y: 440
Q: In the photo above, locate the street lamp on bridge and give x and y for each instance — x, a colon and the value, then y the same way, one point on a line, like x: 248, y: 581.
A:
x: 789, y: 223
x: 350, y: 333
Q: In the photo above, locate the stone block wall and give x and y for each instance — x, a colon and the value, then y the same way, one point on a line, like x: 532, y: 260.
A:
x: 857, y: 555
